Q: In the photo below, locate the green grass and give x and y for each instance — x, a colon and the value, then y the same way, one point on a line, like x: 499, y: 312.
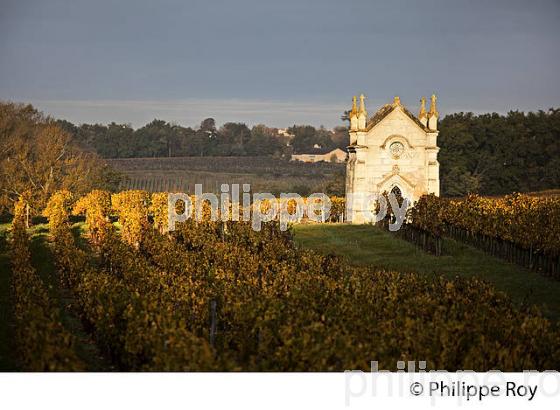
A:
x: 371, y: 246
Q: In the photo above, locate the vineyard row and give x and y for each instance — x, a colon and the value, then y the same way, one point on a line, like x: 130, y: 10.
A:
x: 216, y: 296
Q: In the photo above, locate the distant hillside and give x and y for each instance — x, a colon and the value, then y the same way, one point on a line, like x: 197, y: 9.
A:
x: 265, y: 174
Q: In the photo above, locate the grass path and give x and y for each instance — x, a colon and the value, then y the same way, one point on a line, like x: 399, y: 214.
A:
x: 42, y: 259
x: 369, y: 245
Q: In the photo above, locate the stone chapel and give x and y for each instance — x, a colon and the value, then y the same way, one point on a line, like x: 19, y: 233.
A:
x: 392, y: 151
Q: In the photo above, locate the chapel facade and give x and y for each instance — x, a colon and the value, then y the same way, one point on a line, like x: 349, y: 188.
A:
x: 391, y: 151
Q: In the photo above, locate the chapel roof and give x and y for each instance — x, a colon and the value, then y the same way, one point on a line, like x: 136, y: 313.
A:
x: 386, y: 110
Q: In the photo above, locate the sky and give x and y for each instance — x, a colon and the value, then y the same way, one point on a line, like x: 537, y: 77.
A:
x: 277, y: 62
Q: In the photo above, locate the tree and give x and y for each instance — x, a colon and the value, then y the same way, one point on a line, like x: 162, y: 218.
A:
x: 155, y: 139
x: 493, y: 154
x: 324, y: 138
x: 119, y: 141
x: 208, y: 125
x: 39, y: 158
x: 304, y: 137
x: 185, y: 136
x: 232, y: 139
x: 340, y: 137
x: 263, y: 141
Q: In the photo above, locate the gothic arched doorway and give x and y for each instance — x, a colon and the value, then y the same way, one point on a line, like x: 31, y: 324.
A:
x: 396, y: 191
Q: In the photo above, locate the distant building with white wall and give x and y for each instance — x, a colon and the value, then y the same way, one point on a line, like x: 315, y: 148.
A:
x: 318, y: 154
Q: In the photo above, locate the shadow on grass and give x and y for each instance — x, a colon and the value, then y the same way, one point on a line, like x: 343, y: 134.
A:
x: 371, y: 246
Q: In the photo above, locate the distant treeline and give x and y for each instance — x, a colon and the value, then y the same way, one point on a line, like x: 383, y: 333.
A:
x: 162, y: 139
x: 489, y: 154
x: 493, y: 154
